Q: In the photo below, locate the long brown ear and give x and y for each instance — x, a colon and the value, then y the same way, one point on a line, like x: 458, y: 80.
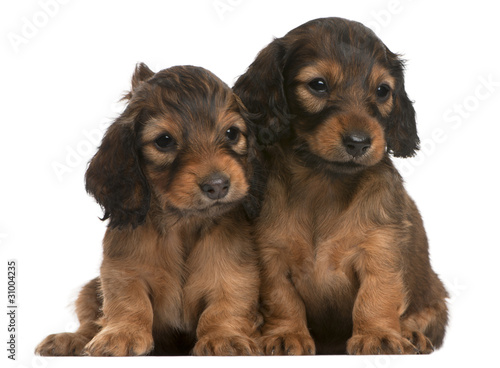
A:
x: 115, y: 179
x: 262, y: 92
x: 401, y: 133
x: 114, y: 176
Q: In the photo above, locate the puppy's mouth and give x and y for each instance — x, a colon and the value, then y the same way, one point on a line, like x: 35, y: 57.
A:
x: 205, y: 207
x: 310, y: 159
x: 346, y: 166
x: 207, y: 210
x: 209, y: 195
x: 217, y: 204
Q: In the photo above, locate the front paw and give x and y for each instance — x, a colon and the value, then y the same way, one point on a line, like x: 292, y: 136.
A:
x: 379, y: 342
x: 226, y: 345
x: 120, y: 342
x: 62, y: 344
x: 420, y: 341
x: 288, y: 344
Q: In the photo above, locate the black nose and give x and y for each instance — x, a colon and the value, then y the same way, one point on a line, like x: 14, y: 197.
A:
x: 357, y: 144
x: 215, y: 186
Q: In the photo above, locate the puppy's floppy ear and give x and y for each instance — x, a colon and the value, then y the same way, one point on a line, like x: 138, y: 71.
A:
x: 401, y: 133
x: 261, y: 90
x: 114, y: 176
x: 115, y: 179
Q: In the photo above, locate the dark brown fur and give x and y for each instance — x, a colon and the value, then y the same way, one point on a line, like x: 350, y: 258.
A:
x: 343, y: 248
x: 179, y: 271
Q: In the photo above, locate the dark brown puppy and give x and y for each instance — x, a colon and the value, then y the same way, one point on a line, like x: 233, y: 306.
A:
x: 179, y: 269
x: 344, y: 251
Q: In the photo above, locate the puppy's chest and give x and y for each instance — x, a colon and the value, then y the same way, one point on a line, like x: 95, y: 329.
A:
x: 321, y: 254
x: 325, y: 267
x: 176, y: 303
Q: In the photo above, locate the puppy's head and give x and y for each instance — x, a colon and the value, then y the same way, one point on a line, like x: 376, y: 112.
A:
x: 336, y: 90
x: 182, y: 142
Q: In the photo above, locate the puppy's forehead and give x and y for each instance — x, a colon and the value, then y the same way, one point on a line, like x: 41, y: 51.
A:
x: 193, y: 93
x: 342, y: 51
x: 348, y: 43
x: 187, y: 99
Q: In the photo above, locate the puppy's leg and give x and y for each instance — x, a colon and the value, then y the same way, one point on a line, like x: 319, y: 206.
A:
x: 228, y: 276
x: 127, y: 320
x: 227, y: 327
x: 88, y: 309
x: 426, y: 327
x: 381, y: 299
x: 285, y: 325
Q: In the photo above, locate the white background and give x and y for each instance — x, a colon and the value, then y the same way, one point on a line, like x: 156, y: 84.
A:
x: 64, y: 67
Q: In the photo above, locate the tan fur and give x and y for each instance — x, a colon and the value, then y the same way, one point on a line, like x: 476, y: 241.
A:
x: 345, y: 263
x: 183, y: 279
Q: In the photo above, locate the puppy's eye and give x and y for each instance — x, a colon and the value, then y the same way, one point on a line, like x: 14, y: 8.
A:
x: 383, y: 92
x: 164, y: 142
x: 232, y: 134
x: 318, y: 85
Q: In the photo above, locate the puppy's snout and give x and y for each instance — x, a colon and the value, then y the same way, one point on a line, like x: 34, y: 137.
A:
x: 357, y: 144
x: 215, y: 186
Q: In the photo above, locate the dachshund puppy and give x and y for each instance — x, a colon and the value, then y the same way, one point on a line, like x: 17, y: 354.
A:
x: 343, y: 248
x: 179, y: 270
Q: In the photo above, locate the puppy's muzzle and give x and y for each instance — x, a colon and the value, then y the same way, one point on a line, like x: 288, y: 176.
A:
x: 215, y: 186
